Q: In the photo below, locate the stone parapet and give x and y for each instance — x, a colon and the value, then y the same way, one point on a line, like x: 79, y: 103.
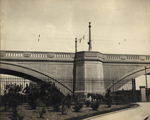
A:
x: 125, y: 58
x: 84, y: 55
x: 29, y: 55
x: 89, y: 56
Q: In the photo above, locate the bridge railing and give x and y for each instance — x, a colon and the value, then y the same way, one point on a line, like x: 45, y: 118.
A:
x: 69, y: 56
x: 28, y: 54
x: 118, y: 57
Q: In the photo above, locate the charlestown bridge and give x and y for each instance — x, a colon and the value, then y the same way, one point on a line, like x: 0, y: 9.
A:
x: 104, y: 70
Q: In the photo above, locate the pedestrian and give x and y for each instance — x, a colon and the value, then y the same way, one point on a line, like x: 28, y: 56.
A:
x: 26, y: 89
x: 108, y: 98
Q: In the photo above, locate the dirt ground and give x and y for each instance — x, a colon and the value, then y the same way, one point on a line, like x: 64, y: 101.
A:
x: 52, y: 115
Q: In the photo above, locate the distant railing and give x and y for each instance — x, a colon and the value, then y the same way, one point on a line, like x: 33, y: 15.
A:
x: 112, y: 57
x: 147, y: 57
x: 126, y: 57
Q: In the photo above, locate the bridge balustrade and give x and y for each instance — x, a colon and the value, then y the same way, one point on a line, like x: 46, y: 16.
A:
x: 136, y: 58
x: 70, y: 56
x: 64, y: 55
x: 26, y: 54
x: 133, y: 57
x: 147, y: 57
x: 12, y: 54
x: 113, y: 56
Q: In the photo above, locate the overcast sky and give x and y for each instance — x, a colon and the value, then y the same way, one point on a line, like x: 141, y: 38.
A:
x: 118, y: 26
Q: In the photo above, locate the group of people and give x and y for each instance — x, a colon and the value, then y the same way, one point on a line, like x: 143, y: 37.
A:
x: 12, y: 88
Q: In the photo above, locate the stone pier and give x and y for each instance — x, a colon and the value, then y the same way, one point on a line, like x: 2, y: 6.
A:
x: 89, y: 73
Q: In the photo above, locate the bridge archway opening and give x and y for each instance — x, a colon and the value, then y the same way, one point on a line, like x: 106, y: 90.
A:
x: 33, y: 75
x: 139, y: 81
x: 126, y: 86
x: 20, y: 74
x: 7, y: 79
x: 127, y: 79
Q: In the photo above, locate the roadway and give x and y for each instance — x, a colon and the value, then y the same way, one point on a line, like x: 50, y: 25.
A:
x: 138, y: 113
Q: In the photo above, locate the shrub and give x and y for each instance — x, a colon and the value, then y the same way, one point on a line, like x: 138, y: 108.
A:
x: 56, y: 107
x: 50, y: 95
x: 12, y: 96
x: 41, y: 112
x: 19, y: 113
x: 32, y: 97
x: 64, y: 109
x: 66, y: 100
x: 95, y: 105
x: 78, y: 106
x: 47, y: 94
x: 87, y: 103
x: 56, y: 100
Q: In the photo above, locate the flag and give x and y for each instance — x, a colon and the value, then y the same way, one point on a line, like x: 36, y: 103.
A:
x: 83, y: 37
x: 80, y: 40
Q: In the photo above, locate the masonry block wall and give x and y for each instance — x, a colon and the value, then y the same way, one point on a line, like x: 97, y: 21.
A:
x: 89, y: 73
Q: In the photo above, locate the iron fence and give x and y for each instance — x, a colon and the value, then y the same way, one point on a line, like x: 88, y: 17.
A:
x: 66, y: 86
x: 89, y: 85
x: 81, y: 85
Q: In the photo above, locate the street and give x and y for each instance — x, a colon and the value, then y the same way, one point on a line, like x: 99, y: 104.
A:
x: 140, y: 113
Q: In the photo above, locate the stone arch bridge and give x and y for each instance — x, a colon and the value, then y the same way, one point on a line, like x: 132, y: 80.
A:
x: 71, y: 72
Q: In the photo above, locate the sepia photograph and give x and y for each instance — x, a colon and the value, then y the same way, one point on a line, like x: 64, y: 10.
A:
x: 74, y: 59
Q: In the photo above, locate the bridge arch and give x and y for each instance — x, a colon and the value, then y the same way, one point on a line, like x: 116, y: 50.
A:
x: 31, y: 74
x: 129, y: 76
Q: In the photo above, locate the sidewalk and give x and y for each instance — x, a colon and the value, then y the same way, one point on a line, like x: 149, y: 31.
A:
x: 137, y: 113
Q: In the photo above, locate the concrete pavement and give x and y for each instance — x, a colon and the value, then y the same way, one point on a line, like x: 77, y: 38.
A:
x: 138, y: 113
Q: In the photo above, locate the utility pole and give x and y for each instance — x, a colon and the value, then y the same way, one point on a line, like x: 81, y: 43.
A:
x: 146, y: 84
x: 74, y: 79
x: 90, y: 45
